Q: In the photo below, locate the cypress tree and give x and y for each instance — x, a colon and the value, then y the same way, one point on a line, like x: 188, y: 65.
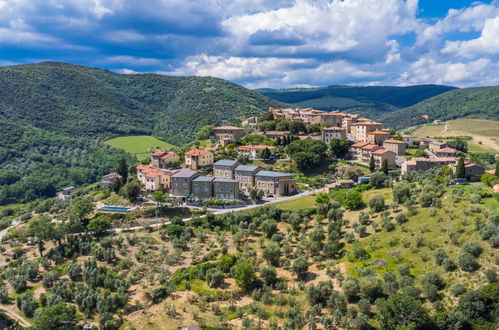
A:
x: 384, y: 166
x: 460, y: 173
x: 497, y: 167
x: 278, y: 142
x: 122, y: 169
x: 372, y: 167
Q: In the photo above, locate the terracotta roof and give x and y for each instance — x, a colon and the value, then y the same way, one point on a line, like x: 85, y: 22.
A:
x: 142, y: 167
x: 446, y: 150
x: 153, y: 174
x: 380, y: 151
x: 491, y: 171
x: 370, y: 146
x: 112, y: 176
x: 304, y: 137
x: 169, y: 154
x: 229, y: 127
x: 276, y: 133
x: 378, y: 132
x: 197, y: 152
x: 334, y: 128
x: 472, y: 165
x: 394, y: 141
x: 257, y: 147
x: 360, y: 123
x: 158, y: 154
x: 360, y: 144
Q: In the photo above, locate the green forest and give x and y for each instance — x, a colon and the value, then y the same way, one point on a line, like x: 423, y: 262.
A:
x: 369, y: 101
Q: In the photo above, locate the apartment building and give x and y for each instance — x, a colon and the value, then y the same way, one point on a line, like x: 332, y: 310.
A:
x: 182, y: 182
x: 228, y: 134
x: 245, y: 175
x: 333, y: 133
x: 202, y: 187
x: 164, y: 159
x: 154, y: 178
x: 275, y: 183
x: 253, y: 151
x: 361, y: 151
x: 396, y: 146
x: 225, y: 188
x: 360, y: 129
x: 225, y: 168
x: 377, y: 137
x: 196, y: 159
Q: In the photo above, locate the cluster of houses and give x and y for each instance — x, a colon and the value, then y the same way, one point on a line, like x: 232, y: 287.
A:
x: 230, y: 179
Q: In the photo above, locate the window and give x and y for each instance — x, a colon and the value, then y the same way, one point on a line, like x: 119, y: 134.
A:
x: 196, y: 189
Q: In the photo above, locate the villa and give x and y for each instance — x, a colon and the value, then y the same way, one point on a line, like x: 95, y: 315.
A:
x: 196, y: 159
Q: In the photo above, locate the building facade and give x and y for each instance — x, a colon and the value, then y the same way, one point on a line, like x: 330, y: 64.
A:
x: 225, y: 188
x: 225, y: 168
x: 245, y: 175
x: 333, y: 133
x: 228, y: 134
x: 182, y: 182
x: 196, y: 159
x: 275, y: 183
x: 378, y: 137
x: 398, y: 147
x: 202, y: 187
x: 359, y: 130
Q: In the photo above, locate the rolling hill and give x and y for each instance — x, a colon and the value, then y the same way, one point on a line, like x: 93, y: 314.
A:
x: 479, y: 102
x: 86, y: 102
x: 53, y: 117
x: 369, y: 101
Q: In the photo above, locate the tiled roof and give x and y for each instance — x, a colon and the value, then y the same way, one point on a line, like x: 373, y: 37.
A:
x: 446, y: 150
x: 247, y: 168
x: 225, y: 180
x: 229, y: 128
x: 381, y: 151
x: 334, y: 128
x: 204, y: 179
x: 184, y: 173
x: 197, y: 152
x: 112, y: 176
x: 394, y: 141
x: 169, y: 154
x: 370, y: 146
x: 256, y: 147
x: 158, y: 154
x: 225, y: 162
x: 360, y: 144
x: 378, y: 133
x: 273, y: 174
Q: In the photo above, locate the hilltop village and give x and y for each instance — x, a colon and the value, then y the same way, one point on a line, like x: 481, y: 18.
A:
x: 232, y: 166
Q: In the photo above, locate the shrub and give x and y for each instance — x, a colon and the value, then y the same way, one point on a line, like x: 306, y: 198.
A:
x: 377, y: 203
x: 491, y: 275
x: 468, y: 263
x: 458, y: 289
x: 472, y: 248
x: 449, y: 265
x: 351, y: 289
x: 401, y: 218
x: 439, y: 255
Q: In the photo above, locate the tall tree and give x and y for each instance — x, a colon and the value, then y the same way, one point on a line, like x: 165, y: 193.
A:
x: 256, y: 195
x: 384, y: 166
x: 265, y: 154
x: 372, y: 166
x: 460, y: 172
x: 122, y: 169
x: 131, y: 190
x: 339, y: 147
x: 42, y: 230
x: 497, y: 167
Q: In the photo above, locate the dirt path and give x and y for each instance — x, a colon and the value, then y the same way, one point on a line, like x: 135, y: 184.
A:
x: 487, y: 141
x: 13, y: 314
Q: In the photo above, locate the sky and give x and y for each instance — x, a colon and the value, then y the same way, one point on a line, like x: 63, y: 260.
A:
x: 263, y: 43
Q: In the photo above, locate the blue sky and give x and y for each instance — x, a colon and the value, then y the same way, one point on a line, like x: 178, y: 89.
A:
x: 263, y: 43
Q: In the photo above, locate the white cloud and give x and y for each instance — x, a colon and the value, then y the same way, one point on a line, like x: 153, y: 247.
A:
x: 486, y: 44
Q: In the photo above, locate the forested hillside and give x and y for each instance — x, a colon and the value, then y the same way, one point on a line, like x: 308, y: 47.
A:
x: 369, y: 101
x: 84, y: 102
x: 53, y: 117
x: 480, y: 102
x: 35, y: 163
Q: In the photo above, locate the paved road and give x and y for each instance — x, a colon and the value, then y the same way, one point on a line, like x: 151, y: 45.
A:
x: 4, y: 232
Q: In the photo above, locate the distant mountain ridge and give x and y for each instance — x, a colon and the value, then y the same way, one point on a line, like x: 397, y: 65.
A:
x: 370, y: 101
x: 476, y: 102
x: 86, y: 102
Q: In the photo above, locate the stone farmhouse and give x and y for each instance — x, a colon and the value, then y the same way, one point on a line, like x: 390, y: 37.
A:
x: 333, y: 132
x: 163, y: 159
x: 397, y: 146
x: 228, y: 134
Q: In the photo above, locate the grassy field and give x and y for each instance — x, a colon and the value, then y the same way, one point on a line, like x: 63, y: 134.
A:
x: 485, y: 133
x: 139, y: 145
